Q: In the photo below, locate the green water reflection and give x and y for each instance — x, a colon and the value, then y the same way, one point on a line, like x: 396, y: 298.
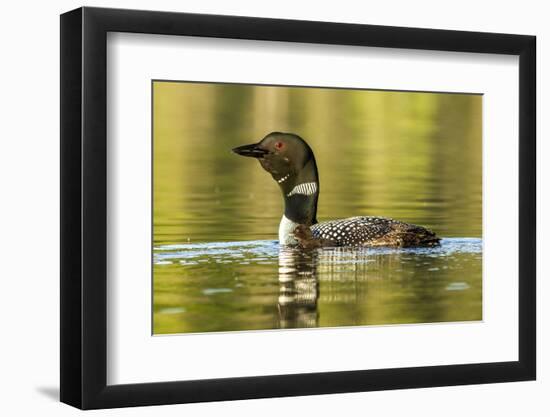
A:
x: 411, y: 156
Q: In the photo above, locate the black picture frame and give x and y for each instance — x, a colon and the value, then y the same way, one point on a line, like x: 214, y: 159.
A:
x: 84, y: 207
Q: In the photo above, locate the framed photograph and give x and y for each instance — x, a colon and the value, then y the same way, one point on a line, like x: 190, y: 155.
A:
x: 257, y: 208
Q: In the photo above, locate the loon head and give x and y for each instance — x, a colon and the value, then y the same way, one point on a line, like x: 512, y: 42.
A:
x: 283, y: 155
x: 291, y: 163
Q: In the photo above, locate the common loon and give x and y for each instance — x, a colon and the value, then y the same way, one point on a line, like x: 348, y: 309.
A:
x: 290, y: 161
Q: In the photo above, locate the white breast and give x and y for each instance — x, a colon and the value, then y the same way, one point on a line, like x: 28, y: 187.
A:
x: 286, y: 228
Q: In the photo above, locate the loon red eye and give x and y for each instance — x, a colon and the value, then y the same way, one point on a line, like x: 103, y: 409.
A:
x: 279, y: 145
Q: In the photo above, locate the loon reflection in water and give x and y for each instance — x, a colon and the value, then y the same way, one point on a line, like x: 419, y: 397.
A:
x: 291, y: 163
x: 299, y: 288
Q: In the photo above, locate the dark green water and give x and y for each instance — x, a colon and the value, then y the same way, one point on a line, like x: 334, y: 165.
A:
x: 411, y: 156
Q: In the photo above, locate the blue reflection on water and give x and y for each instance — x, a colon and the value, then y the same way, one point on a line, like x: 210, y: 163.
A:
x: 269, y: 250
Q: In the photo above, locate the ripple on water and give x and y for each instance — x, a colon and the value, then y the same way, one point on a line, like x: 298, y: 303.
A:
x: 268, y: 251
x: 212, y: 291
x: 457, y: 286
x: 172, y: 310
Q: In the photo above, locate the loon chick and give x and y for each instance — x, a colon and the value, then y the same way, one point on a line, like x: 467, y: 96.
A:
x: 290, y: 161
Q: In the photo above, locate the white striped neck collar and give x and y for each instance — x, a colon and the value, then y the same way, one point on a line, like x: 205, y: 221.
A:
x: 306, y: 188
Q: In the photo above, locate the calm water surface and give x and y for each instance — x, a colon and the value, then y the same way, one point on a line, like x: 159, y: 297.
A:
x: 259, y: 285
x: 217, y: 266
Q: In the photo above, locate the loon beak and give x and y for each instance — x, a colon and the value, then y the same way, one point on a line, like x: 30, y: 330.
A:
x: 251, y: 150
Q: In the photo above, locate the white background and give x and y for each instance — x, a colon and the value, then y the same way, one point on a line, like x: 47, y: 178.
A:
x: 29, y: 173
x: 133, y: 60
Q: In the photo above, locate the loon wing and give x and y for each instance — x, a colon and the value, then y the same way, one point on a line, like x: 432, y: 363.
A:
x: 374, y: 231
